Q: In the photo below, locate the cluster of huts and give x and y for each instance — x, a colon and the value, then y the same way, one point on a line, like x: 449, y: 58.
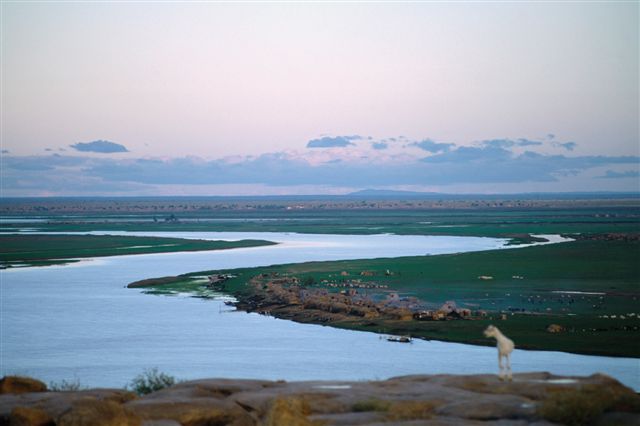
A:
x: 449, y: 310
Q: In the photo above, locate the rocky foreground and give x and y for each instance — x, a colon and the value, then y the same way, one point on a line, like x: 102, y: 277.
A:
x: 531, y: 398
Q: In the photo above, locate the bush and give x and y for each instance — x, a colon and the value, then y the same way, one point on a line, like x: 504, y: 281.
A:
x: 585, y: 404
x: 150, y: 381
x: 308, y: 281
x: 65, y: 386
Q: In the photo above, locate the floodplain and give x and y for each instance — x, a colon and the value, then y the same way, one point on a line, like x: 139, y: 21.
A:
x: 577, y: 296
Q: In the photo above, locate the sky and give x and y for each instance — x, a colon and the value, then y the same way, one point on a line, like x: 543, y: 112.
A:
x: 205, y: 98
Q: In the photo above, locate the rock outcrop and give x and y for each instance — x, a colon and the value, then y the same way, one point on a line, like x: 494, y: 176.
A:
x: 18, y: 384
x: 531, y: 398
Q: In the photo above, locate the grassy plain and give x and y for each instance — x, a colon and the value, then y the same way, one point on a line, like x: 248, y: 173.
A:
x: 491, y: 222
x: 40, y: 249
x: 572, y: 284
x: 601, y: 267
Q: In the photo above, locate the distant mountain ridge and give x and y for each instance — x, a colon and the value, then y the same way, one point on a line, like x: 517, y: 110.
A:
x: 371, y: 194
x: 390, y: 192
x: 396, y: 194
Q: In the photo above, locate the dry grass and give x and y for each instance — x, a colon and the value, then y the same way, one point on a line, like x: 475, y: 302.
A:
x: 90, y: 412
x: 584, y: 405
x: 372, y: 404
x: 291, y: 411
x: 411, y: 410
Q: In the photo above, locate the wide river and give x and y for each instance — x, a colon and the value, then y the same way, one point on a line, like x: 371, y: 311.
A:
x: 79, y: 322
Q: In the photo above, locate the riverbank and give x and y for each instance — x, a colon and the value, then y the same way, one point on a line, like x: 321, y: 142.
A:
x: 539, y: 398
x: 23, y: 250
x: 573, y: 297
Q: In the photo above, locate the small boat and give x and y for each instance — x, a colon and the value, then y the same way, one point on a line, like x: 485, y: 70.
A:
x: 399, y: 339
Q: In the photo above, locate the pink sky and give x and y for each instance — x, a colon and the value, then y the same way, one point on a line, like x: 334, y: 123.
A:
x: 214, y: 80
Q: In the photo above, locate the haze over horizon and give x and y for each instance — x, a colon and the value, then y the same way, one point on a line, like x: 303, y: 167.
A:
x: 318, y: 98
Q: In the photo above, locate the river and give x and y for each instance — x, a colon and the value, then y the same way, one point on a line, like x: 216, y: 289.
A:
x: 79, y: 322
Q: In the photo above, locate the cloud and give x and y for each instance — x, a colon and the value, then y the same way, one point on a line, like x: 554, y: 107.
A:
x: 488, y: 153
x: 498, y: 143
x: 611, y: 174
x: 42, y: 162
x: 432, y: 146
x: 5, y: 151
x: 569, y: 146
x: 462, y: 165
x: 508, y: 143
x: 359, y: 166
x: 332, y: 142
x: 100, y: 146
x: 526, y: 142
x: 379, y: 145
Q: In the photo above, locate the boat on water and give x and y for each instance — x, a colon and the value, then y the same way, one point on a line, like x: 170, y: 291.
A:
x: 399, y: 339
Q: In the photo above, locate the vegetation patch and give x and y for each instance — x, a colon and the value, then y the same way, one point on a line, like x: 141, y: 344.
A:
x: 371, y: 405
x: 589, y: 287
x: 410, y: 410
x: 38, y: 249
x: 293, y: 411
x: 66, y: 386
x: 585, y: 404
x: 150, y: 381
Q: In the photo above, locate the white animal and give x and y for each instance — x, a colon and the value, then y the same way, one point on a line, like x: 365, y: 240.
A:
x: 505, y: 347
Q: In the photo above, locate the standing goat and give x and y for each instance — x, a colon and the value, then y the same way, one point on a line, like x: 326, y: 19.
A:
x: 505, y: 347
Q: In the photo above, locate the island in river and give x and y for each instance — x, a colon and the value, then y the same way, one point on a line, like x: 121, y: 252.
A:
x: 21, y: 250
x: 571, y: 297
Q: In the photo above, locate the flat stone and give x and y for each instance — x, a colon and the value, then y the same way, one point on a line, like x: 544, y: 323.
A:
x: 54, y: 404
x: 446, y: 400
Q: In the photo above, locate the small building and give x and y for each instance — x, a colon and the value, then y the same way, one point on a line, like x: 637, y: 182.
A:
x: 393, y: 297
x: 464, y: 312
x: 448, y: 307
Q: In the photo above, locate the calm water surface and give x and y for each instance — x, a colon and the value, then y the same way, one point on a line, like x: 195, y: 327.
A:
x: 79, y: 322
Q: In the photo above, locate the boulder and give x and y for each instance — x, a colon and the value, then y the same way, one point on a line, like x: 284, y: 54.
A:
x: 19, y: 407
x: 26, y: 416
x: 17, y: 385
x: 530, y: 399
x: 92, y: 411
x: 555, y: 328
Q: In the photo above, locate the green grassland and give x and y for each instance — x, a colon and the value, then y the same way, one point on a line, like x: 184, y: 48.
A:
x: 608, y: 267
x: 511, y: 223
x: 598, y: 265
x: 37, y: 250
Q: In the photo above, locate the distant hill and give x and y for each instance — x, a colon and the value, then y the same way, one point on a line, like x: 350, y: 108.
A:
x: 370, y: 194
x: 392, y: 194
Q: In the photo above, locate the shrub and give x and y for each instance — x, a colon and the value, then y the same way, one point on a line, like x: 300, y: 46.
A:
x: 411, y: 410
x: 308, y: 281
x: 150, y: 381
x: 65, y: 386
x: 584, y: 405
